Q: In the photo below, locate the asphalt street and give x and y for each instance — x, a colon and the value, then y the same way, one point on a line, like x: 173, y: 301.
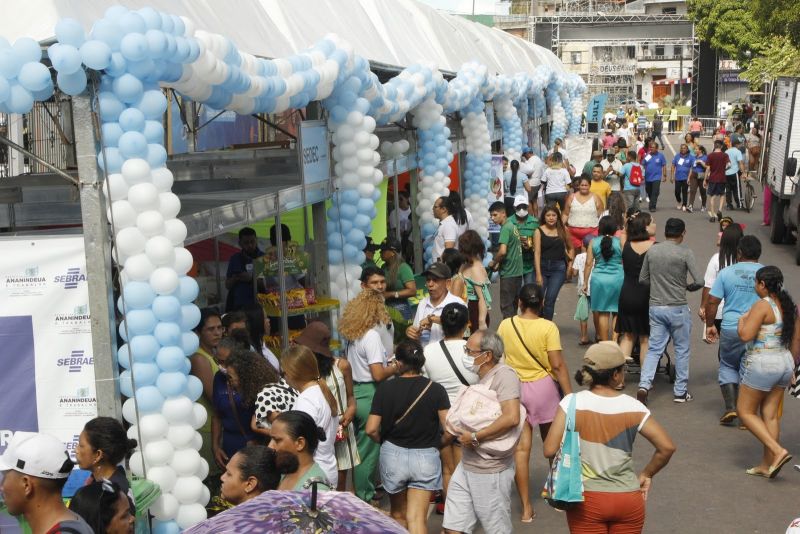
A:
x: 704, y: 489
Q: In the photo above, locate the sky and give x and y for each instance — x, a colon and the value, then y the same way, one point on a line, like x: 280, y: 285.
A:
x: 482, y: 7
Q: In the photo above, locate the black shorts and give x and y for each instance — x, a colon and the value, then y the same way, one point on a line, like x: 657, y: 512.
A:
x: 715, y: 189
x: 694, y: 135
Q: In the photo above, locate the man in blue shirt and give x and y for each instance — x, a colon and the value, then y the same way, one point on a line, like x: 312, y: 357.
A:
x: 239, y: 279
x: 736, y: 285
x: 733, y: 172
x: 655, y: 172
x: 682, y: 164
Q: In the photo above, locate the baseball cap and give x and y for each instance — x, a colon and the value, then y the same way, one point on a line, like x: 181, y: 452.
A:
x: 604, y: 355
x: 391, y: 243
x: 317, y: 337
x: 526, y: 150
x: 37, y: 455
x: 371, y: 246
x: 521, y: 200
x: 438, y: 270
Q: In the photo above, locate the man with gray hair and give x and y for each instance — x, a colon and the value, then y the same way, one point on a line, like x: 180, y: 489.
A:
x: 480, y: 488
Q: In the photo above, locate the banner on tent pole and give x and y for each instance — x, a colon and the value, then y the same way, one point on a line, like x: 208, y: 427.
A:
x: 597, y: 105
x: 313, y: 147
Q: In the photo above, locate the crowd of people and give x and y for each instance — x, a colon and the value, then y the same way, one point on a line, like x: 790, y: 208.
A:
x: 446, y: 407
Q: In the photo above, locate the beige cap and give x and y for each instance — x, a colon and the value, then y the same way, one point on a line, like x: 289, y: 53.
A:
x: 604, y: 355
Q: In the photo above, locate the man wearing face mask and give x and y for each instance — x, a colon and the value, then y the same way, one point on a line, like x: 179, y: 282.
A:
x: 526, y: 225
x: 480, y: 488
x: 239, y: 279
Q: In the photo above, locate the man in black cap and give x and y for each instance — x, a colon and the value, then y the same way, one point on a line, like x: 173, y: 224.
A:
x: 665, y: 268
x: 426, y: 327
x: 369, y: 254
x: 34, y: 469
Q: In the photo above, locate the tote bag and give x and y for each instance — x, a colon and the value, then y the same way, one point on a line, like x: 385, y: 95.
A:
x: 564, y: 485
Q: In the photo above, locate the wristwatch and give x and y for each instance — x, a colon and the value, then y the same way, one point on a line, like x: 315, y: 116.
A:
x: 474, y: 439
x: 397, y: 294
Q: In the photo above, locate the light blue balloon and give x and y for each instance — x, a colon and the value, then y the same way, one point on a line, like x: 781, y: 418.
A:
x: 69, y: 31
x: 182, y: 50
x: 156, y: 43
x: 117, y: 65
x: 143, y: 70
x: 66, y: 59
x: 5, y: 89
x: 124, y: 357
x: 189, y: 343
x: 145, y: 374
x: 179, y: 26
x: 96, y: 54
x: 153, y: 104
x: 151, y: 18
x: 128, y: 88
x: 350, y: 252
x: 143, y: 348
x: 138, y: 295
x: 111, y: 133
x: 125, y: 383
x: 168, y: 333
x: 108, y: 31
x: 27, y: 50
x: 132, y: 22
x: 132, y: 144
x: 347, y: 211
x: 9, y: 63
x: 167, y: 308
x: 110, y: 160
x: 194, y: 388
x: 166, y: 527
x: 115, y: 12
x: 72, y: 84
x: 170, y: 358
x: 190, y: 316
x: 156, y: 155
x: 19, y: 100
x: 154, y: 132
x: 188, y: 289
x: 167, y: 24
x: 34, y: 76
x: 365, y: 205
x: 122, y: 329
x: 110, y: 106
x: 335, y: 257
x: 149, y: 399
x: 134, y: 47
x: 140, y: 322
x: 171, y: 384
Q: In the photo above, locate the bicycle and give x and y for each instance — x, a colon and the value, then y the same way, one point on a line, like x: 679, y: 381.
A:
x: 748, y: 191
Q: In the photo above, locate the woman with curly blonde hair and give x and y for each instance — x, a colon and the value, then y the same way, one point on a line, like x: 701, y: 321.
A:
x: 360, y: 327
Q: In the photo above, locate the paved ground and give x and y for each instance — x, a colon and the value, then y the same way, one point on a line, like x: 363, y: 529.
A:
x: 704, y: 488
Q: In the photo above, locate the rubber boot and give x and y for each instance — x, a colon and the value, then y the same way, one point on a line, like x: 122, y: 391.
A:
x: 729, y: 395
x: 735, y: 399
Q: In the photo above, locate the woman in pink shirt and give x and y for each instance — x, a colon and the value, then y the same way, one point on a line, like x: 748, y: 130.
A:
x: 695, y: 128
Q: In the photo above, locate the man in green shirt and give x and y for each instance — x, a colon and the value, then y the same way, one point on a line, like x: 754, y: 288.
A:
x: 526, y: 225
x: 507, y: 260
x: 400, y: 282
x: 369, y: 254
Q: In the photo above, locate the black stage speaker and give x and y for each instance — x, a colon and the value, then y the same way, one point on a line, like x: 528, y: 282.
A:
x: 706, y: 80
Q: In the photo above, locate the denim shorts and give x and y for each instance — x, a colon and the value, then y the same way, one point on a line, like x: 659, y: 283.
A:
x: 767, y: 370
x: 403, y: 468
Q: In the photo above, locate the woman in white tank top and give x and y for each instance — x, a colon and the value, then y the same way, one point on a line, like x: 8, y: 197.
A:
x: 582, y: 213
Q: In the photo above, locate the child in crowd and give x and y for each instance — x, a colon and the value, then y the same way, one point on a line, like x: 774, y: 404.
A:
x: 582, y: 309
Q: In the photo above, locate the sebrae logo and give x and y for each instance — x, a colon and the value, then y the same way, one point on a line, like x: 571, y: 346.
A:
x: 26, y: 283
x: 71, y: 279
x: 72, y: 446
x: 76, y: 361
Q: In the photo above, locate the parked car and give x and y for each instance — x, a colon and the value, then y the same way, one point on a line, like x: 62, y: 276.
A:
x: 634, y: 103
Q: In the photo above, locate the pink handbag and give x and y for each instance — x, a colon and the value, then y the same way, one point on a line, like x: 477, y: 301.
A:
x: 476, y: 407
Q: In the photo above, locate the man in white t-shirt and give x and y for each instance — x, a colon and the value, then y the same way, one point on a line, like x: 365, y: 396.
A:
x: 426, y: 327
x: 612, y: 170
x: 447, y: 234
x: 533, y: 167
x: 403, y: 211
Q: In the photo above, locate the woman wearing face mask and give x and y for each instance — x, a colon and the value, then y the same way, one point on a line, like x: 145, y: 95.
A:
x: 533, y: 350
x: 254, y: 470
x: 241, y: 376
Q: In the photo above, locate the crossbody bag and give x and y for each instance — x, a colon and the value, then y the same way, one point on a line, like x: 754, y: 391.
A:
x: 453, y: 364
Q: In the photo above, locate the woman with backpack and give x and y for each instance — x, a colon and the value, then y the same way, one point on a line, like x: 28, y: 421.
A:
x: 633, y: 178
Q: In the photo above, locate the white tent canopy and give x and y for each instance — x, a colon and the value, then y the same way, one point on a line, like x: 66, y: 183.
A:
x: 392, y: 32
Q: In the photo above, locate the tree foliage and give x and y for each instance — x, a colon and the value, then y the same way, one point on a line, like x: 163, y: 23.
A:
x: 779, y: 57
x: 778, y: 18
x: 728, y: 25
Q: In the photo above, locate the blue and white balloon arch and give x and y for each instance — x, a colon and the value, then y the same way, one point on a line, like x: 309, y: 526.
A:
x: 136, y: 54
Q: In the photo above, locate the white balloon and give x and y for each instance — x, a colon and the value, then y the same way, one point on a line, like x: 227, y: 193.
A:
x: 202, y: 471
x: 197, y: 441
x: 144, y: 196
x: 165, y: 508
x: 159, y: 452
x: 136, y: 171
x: 150, y: 223
x: 136, y: 463
x: 199, y: 415
x: 206, y: 495
x: 160, y: 251
x: 180, y: 435
x: 130, y: 241
x: 168, y: 204
x: 188, y: 489
x: 190, y: 514
x: 153, y: 426
x: 138, y: 267
x: 186, y: 462
x: 175, y: 230
x: 164, y: 476
x: 164, y: 281
x: 115, y: 187
x: 124, y: 215
x: 178, y: 409
x: 163, y: 179
x: 183, y: 261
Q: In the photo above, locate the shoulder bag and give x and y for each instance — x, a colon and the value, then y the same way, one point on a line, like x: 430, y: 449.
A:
x: 532, y: 355
x: 452, y: 363
x: 563, y: 487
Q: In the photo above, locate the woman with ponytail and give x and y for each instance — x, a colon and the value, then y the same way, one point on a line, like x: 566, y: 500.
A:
x: 608, y: 421
x: 406, y: 419
x: 513, y: 182
x: 604, y: 271
x: 102, y: 446
x: 302, y: 373
x: 296, y: 432
x: 771, y: 329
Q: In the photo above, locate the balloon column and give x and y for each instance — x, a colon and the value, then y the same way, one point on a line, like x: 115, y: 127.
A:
x: 135, y: 54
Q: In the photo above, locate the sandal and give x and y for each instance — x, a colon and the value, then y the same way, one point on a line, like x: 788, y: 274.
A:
x: 583, y: 343
x: 756, y: 473
x: 775, y: 469
x: 530, y: 519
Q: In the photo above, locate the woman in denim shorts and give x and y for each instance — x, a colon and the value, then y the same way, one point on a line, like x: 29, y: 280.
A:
x: 406, y: 418
x: 771, y: 329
